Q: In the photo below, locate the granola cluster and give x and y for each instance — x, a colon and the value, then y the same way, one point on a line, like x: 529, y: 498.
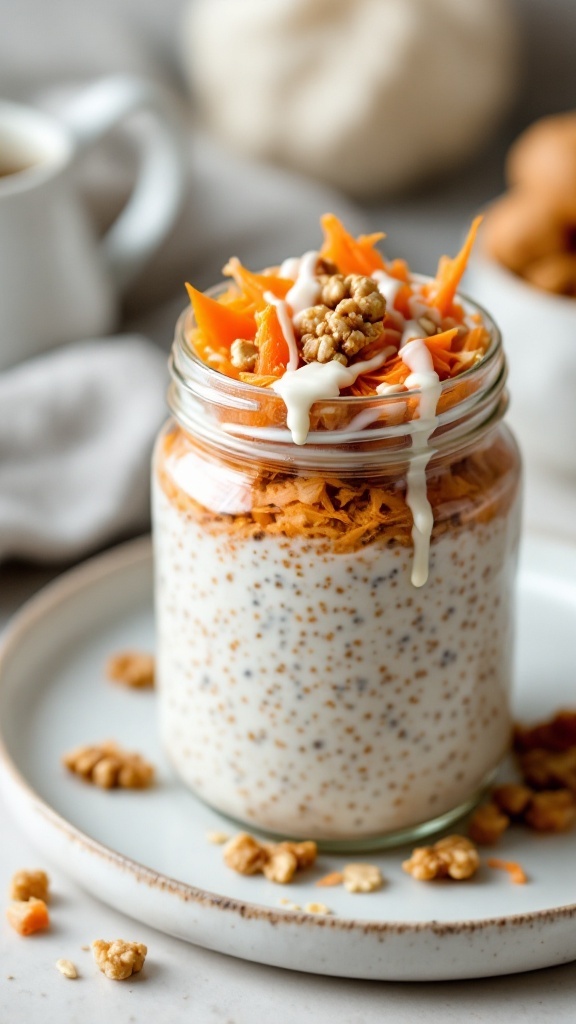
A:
x: 349, y: 317
x: 108, y: 766
x: 452, y: 857
x: 28, y: 884
x: 546, y: 799
x: 119, y: 959
x: 279, y: 862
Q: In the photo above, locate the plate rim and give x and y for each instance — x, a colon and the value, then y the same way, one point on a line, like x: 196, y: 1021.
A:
x: 121, y: 558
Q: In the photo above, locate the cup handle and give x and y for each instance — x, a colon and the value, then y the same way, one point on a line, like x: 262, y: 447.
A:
x: 159, y: 189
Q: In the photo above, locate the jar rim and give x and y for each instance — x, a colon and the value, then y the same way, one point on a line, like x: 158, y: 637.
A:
x: 195, y: 384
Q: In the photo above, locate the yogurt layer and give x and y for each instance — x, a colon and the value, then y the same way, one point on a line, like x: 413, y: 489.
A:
x: 319, y: 693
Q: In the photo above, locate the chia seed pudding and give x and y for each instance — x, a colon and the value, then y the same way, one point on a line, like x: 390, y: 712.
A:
x: 313, y: 680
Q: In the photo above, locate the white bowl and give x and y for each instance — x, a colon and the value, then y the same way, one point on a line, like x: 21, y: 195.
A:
x: 539, y: 333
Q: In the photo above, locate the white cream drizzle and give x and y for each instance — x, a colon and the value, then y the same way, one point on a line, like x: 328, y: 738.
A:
x: 289, y: 268
x: 388, y: 286
x: 417, y: 358
x: 305, y: 291
x: 314, y: 382
x: 412, y: 330
x: 287, y: 328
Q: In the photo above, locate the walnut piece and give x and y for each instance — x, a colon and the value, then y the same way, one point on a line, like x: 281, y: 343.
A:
x: 119, y: 960
x: 454, y: 857
x: 512, y: 798
x: 243, y: 355
x: 546, y: 769
x: 132, y: 668
x: 281, y: 866
x: 349, y: 317
x: 551, y: 811
x: 108, y: 766
x: 26, y: 884
x: 28, y: 916
x: 362, y: 878
x: 67, y: 968
x: 279, y: 862
x: 245, y: 854
x: 487, y: 824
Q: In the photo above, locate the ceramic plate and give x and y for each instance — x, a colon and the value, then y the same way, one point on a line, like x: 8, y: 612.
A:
x: 146, y: 853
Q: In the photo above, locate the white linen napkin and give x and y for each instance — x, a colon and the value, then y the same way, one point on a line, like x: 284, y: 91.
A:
x: 76, y: 433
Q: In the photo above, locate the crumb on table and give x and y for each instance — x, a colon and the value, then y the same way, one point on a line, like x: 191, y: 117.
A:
x: 28, y: 916
x: 67, y: 968
x: 118, y: 960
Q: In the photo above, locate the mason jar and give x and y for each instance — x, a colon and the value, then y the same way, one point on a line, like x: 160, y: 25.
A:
x: 307, y: 687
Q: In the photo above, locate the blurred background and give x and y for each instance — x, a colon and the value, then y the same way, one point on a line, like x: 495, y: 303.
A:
x: 395, y: 114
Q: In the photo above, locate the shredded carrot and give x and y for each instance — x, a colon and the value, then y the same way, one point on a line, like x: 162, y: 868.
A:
x: 273, y: 352
x: 219, y: 325
x: 334, y: 878
x: 253, y: 286
x: 515, y: 870
x: 450, y: 272
x: 351, y: 255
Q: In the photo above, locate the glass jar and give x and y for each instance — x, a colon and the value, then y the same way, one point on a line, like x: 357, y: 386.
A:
x: 307, y: 688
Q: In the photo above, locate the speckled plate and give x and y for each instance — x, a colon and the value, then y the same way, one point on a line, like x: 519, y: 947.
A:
x: 146, y: 853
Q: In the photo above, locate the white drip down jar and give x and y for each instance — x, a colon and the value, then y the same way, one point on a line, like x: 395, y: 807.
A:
x: 307, y: 687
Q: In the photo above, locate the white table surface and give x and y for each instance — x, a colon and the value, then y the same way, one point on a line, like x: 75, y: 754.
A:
x: 185, y: 983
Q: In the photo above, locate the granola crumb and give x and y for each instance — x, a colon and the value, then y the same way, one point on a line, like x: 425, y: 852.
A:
x: 453, y: 857
x: 25, y: 884
x: 334, y: 878
x: 317, y: 908
x: 118, y: 960
x: 217, y: 838
x: 86, y: 949
x: 515, y: 870
x: 362, y: 878
x: 551, y: 811
x: 547, y: 769
x: 108, y: 766
x: 279, y: 862
x: 132, y: 668
x: 28, y: 916
x: 289, y: 905
x: 487, y: 824
x: 67, y: 968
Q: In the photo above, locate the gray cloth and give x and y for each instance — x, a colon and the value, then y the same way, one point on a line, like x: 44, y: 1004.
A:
x: 76, y: 431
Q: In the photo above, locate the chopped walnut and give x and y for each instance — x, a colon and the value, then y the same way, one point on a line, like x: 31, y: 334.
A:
x: 243, y: 355
x: 26, y: 884
x: 558, y: 733
x: 362, y: 878
x: 281, y: 866
x: 349, y: 317
x: 67, y: 968
x: 131, y: 668
x: 512, y: 798
x: 546, y: 769
x: 245, y: 854
x: 305, y: 852
x: 551, y: 811
x: 279, y: 862
x: 487, y: 824
x: 108, y: 766
x: 455, y: 857
x: 119, y: 960
x: 28, y: 916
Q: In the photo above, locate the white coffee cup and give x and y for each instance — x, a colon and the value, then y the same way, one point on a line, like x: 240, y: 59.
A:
x: 58, y: 282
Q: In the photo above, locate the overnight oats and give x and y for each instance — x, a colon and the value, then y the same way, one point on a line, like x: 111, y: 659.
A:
x: 336, y: 518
